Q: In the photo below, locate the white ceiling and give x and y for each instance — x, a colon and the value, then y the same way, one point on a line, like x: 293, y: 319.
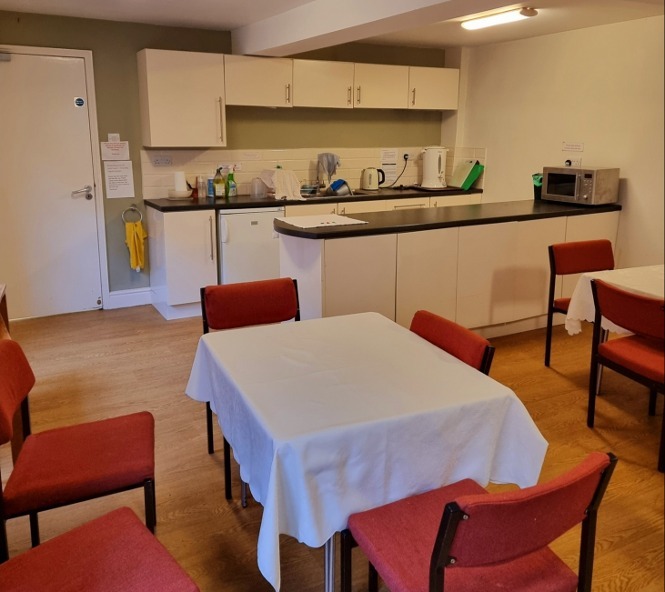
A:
x: 284, y: 27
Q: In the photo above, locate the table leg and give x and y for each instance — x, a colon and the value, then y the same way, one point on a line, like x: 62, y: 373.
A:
x: 329, y: 565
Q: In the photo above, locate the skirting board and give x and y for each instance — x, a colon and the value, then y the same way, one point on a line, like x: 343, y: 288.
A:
x: 127, y: 298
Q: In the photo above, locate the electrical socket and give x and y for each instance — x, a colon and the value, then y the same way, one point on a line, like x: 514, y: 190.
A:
x: 406, y: 155
x: 226, y: 166
x: 162, y: 160
x: 573, y: 162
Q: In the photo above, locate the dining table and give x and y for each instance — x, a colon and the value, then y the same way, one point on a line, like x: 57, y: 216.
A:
x: 331, y: 416
x: 648, y: 280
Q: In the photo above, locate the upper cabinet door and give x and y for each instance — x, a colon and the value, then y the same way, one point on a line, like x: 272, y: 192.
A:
x: 433, y: 88
x: 322, y: 84
x: 258, y: 82
x: 379, y: 86
x: 181, y: 96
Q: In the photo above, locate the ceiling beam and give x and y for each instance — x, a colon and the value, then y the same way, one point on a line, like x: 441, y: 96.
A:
x: 324, y: 23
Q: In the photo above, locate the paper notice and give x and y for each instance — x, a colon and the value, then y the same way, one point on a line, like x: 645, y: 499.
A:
x: 115, y: 150
x: 389, y: 165
x: 119, y: 177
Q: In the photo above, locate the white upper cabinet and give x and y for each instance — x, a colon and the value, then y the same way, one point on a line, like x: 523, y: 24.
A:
x: 258, y: 82
x: 322, y: 84
x: 379, y: 86
x: 172, y: 113
x: 433, y: 88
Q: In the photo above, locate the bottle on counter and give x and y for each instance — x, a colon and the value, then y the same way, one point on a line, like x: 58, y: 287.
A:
x: 218, y: 182
x: 231, y: 186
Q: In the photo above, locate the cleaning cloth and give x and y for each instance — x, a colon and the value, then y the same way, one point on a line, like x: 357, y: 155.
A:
x: 285, y: 184
x: 135, y: 236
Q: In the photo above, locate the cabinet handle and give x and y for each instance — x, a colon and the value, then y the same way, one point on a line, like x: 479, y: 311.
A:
x: 212, y: 240
x: 349, y: 95
x: 221, y: 120
x: 288, y: 93
x: 413, y: 97
x: 333, y: 211
x: 343, y: 211
x: 408, y: 206
x: 358, y: 96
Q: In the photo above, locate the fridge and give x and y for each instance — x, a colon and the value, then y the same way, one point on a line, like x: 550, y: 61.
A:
x: 248, y: 244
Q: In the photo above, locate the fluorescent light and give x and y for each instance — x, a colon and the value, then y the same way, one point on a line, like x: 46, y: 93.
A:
x: 499, y: 19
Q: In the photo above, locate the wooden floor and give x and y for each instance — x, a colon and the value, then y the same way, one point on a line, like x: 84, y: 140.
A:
x: 104, y: 363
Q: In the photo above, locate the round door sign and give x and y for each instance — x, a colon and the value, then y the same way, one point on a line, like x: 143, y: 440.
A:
x: 79, y: 102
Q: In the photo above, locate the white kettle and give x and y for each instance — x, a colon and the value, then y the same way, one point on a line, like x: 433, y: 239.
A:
x: 434, y: 167
x: 371, y: 178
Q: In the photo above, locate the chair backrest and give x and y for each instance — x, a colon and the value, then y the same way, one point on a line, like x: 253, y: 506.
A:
x: 490, y: 528
x: 243, y: 304
x: 638, y: 314
x: 581, y: 257
x: 16, y: 382
x: 458, y: 341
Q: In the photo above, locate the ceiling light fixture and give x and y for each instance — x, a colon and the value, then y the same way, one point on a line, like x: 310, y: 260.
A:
x: 499, y: 19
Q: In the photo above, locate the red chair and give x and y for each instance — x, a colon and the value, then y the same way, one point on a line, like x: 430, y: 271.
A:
x: 458, y: 341
x: 567, y: 259
x: 114, y: 553
x: 244, y: 304
x: 460, y: 538
x: 641, y: 356
x: 67, y: 465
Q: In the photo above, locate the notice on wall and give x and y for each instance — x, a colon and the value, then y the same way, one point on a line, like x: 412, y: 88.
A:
x: 389, y: 164
x: 115, y: 150
x: 119, y: 177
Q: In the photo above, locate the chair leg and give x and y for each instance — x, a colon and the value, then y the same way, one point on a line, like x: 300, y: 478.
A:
x: 243, y: 494
x: 150, y: 505
x: 593, y: 383
x: 373, y: 579
x: 346, y: 544
x: 34, y: 529
x: 4, y: 544
x: 548, y: 340
x: 652, y: 402
x: 209, y: 424
x: 661, y: 454
x: 227, y: 470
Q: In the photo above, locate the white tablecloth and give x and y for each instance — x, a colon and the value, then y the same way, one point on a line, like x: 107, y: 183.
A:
x: 332, y: 416
x: 648, y: 280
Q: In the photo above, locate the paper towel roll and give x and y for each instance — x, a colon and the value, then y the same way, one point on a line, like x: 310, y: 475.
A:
x: 180, y: 181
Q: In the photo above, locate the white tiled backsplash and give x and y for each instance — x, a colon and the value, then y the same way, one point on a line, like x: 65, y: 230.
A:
x: 157, y: 178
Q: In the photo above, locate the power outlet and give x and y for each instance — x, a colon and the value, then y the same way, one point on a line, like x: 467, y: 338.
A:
x: 409, y: 156
x: 162, y: 160
x: 226, y: 166
x: 573, y: 162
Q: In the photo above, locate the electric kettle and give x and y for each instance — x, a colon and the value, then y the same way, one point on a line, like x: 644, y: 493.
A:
x: 434, y: 167
x: 371, y: 178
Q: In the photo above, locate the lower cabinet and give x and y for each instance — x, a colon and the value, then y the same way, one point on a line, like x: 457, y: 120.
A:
x: 503, y: 271
x: 359, y: 275
x: 183, y: 258
x: 426, y: 273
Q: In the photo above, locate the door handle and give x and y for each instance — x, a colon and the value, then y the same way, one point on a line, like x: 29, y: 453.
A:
x: 86, y: 189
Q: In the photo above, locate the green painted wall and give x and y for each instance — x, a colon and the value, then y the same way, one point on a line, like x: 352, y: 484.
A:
x: 114, y: 46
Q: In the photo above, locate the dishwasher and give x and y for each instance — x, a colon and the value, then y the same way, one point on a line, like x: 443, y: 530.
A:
x: 248, y: 244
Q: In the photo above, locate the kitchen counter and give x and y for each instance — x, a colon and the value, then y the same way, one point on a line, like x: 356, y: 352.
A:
x: 245, y: 201
x: 412, y: 220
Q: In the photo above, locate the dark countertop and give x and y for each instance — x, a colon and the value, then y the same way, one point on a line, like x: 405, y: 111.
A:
x: 412, y: 220
x: 245, y: 201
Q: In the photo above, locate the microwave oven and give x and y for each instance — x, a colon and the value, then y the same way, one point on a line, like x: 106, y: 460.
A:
x: 586, y: 186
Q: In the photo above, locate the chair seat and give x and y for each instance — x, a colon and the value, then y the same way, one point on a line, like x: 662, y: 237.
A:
x: 561, y: 304
x: 114, y: 553
x: 401, y: 548
x: 643, y: 356
x: 64, y: 465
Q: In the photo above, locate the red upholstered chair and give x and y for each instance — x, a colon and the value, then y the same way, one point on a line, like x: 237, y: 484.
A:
x: 641, y: 356
x: 230, y: 306
x: 458, y: 341
x: 67, y: 465
x: 568, y: 259
x: 460, y: 538
x: 114, y: 553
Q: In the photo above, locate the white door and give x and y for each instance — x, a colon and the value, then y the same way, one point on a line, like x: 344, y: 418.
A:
x: 49, y: 253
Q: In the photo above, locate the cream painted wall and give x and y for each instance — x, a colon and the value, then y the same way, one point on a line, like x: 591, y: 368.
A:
x: 602, y: 86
